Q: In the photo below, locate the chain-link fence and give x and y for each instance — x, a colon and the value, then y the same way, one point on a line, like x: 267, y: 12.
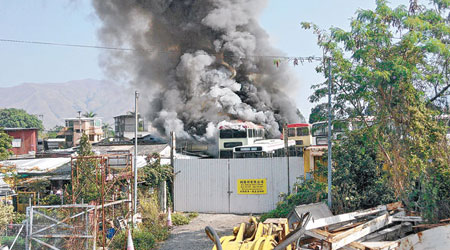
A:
x: 14, y: 236
x: 60, y: 227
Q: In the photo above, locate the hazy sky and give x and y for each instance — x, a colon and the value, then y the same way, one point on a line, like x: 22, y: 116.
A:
x: 74, y: 21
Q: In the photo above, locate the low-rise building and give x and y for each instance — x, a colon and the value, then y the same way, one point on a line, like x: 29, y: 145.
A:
x: 125, y: 125
x: 24, y: 141
x: 76, y: 127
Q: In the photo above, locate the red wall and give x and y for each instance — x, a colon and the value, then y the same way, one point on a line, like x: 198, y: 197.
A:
x: 29, y: 140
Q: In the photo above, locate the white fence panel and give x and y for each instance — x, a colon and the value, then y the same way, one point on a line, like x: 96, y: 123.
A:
x: 274, y: 170
x: 201, y: 185
x: 210, y: 185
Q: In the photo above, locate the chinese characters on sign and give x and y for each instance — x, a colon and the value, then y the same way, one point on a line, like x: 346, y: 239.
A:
x: 252, y: 186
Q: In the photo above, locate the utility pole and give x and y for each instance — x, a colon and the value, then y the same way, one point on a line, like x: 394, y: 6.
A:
x: 329, y: 133
x: 136, y: 96
x: 286, y: 151
x: 173, y: 146
x: 79, y: 130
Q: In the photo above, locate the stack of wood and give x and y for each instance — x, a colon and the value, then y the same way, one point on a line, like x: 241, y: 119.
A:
x: 383, y: 227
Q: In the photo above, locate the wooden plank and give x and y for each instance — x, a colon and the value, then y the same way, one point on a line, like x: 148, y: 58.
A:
x: 381, y: 233
x: 323, y: 222
x: 360, y: 231
x: 337, y: 241
x: 407, y: 218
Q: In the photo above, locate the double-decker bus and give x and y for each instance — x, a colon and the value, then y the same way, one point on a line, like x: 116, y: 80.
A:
x: 300, y: 133
x: 264, y: 149
x: 237, y: 133
x: 320, y: 131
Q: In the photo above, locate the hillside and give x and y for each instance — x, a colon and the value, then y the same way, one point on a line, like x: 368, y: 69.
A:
x: 56, y: 101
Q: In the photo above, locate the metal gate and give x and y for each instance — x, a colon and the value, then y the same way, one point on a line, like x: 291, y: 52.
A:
x: 210, y: 185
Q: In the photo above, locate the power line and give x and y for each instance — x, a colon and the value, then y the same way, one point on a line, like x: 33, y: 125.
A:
x: 296, y: 59
x: 67, y: 45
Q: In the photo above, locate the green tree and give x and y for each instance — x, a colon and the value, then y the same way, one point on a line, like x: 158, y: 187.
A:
x: 19, y: 118
x: 5, y: 145
x: 154, y: 173
x: 107, y: 130
x: 85, y: 148
x: 319, y: 113
x: 90, y: 114
x: 53, y: 133
x: 389, y: 64
x: 85, y: 171
x: 359, y: 180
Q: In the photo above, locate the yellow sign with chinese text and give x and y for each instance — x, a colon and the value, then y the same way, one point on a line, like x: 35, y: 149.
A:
x: 252, y: 186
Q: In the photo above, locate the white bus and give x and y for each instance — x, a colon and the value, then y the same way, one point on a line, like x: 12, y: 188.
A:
x: 237, y: 133
x: 338, y: 127
x: 265, y: 149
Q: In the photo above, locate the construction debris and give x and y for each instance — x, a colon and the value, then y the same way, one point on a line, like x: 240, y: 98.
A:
x: 385, y: 227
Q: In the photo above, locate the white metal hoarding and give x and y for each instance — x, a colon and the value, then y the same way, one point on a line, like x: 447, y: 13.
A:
x: 211, y: 185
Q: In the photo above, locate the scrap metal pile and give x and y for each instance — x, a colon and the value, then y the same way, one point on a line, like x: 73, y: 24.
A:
x: 385, y: 227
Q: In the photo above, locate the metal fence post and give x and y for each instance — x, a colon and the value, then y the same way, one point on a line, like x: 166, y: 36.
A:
x: 329, y: 134
x: 27, y: 236
x: 31, y: 227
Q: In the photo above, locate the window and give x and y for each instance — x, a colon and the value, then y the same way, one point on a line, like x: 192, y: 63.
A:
x: 291, y: 132
x: 250, y: 133
x: 17, y: 143
x: 91, y: 137
x: 299, y: 142
x: 320, y: 129
x: 322, y: 141
x: 232, y: 144
x: 302, y: 131
x: 340, y: 126
x: 226, y: 133
x: 233, y: 133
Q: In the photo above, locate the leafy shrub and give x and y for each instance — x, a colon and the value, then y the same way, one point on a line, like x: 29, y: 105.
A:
x: 192, y: 215
x: 180, y: 219
x: 159, y: 231
x: 6, y: 215
x: 152, y: 220
x: 51, y: 199
x: 8, y: 240
x: 142, y: 239
x: 19, y: 218
x: 308, y: 192
x: 359, y: 181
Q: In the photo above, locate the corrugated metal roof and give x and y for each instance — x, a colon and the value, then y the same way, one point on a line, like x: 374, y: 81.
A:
x: 37, y: 166
x: 162, y: 149
x: 15, y: 129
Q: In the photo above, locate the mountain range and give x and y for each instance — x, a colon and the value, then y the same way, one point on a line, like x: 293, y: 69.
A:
x: 56, y: 101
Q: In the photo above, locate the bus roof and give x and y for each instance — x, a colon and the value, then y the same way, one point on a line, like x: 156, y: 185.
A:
x: 238, y: 124
x: 298, y: 125
x: 267, y: 145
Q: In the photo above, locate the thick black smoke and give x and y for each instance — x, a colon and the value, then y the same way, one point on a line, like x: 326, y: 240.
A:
x: 197, y: 62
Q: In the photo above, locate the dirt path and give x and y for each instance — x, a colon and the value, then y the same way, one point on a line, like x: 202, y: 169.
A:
x: 193, y: 237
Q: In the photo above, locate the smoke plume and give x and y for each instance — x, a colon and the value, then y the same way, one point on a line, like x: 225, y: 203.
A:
x: 197, y: 63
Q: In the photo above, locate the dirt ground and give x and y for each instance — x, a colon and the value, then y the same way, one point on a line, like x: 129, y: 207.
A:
x: 193, y: 237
